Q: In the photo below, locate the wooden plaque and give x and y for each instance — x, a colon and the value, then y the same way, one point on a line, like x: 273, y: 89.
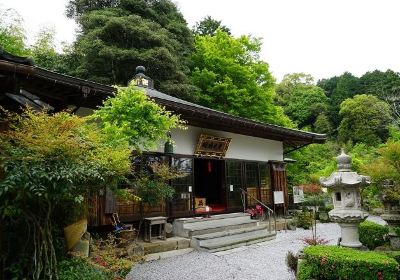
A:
x: 212, y: 146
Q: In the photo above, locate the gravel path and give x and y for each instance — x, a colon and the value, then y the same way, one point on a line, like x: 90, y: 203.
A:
x: 260, y: 261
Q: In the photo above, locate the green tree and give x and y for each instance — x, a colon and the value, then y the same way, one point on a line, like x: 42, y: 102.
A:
x: 385, y: 168
x: 312, y: 162
x: 209, y: 26
x: 131, y: 116
x: 302, y: 101
x: 233, y: 79
x: 117, y: 36
x: 328, y: 85
x: 346, y: 87
x: 44, y: 52
x: 384, y: 85
x: 322, y: 124
x: 49, y: 163
x: 290, y: 85
x: 365, y: 119
x: 12, y: 33
x: 381, y: 84
x: 306, y: 105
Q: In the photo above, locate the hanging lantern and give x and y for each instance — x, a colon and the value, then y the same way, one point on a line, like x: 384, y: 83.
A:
x: 209, y: 166
x: 169, y: 145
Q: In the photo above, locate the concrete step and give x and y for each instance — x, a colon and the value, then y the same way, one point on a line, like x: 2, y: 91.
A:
x: 170, y: 244
x: 220, y: 226
x: 220, y: 241
x: 167, y: 254
x: 198, y: 226
x: 213, y: 217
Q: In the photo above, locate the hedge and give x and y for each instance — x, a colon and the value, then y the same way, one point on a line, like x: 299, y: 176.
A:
x: 371, y: 234
x: 331, y: 262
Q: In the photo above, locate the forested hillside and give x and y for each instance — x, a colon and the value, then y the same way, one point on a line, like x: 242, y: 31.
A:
x: 206, y: 64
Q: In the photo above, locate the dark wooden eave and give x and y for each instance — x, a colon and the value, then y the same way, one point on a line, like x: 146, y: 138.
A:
x: 62, y: 91
x: 201, y: 116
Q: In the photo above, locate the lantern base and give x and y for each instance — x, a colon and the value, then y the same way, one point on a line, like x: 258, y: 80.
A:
x: 349, y: 235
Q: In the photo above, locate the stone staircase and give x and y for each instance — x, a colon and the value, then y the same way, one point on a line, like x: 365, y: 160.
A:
x: 222, y: 232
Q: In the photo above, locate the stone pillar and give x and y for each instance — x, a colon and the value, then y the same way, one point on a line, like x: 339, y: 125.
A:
x: 350, y: 236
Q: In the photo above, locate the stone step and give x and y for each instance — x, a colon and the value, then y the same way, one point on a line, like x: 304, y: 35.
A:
x: 167, y: 254
x: 194, y: 226
x: 211, y: 218
x: 172, y: 243
x: 230, y: 239
x: 219, y: 227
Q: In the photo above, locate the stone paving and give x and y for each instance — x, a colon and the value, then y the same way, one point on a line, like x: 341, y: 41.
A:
x: 256, y: 262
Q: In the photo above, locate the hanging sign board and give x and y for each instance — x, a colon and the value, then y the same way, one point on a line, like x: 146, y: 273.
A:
x: 298, y: 194
x: 212, y: 146
x: 278, y: 197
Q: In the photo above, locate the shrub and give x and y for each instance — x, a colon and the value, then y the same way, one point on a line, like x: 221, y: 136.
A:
x: 111, y: 256
x: 314, y: 241
x: 331, y: 262
x: 393, y: 254
x: 372, y: 234
x: 304, y: 219
x: 79, y: 268
x: 291, y: 261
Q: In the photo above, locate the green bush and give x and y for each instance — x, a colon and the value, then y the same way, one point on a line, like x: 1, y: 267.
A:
x: 371, y: 234
x: 393, y: 254
x: 331, y: 262
x: 304, y: 219
x: 79, y: 268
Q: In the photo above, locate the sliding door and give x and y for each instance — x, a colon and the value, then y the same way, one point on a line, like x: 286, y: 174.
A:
x: 234, y: 182
x: 182, y: 203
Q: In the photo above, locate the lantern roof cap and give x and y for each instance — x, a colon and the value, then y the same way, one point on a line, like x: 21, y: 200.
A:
x: 344, y: 176
x: 343, y: 161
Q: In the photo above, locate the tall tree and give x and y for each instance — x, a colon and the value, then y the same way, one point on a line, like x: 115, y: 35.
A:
x: 338, y: 89
x: 233, y: 79
x: 384, y: 85
x: 117, y: 36
x: 346, y: 87
x: 290, y: 84
x: 303, y: 102
x: 12, y: 33
x: 365, y: 119
x: 44, y: 52
x: 306, y: 105
x: 209, y: 26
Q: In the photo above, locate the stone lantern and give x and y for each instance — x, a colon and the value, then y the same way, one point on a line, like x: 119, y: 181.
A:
x: 391, y: 214
x: 347, y: 212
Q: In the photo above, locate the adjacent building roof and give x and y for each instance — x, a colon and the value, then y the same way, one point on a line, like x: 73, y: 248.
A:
x: 22, y: 82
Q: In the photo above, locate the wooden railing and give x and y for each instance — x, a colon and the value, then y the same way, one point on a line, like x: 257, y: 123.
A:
x: 269, y: 210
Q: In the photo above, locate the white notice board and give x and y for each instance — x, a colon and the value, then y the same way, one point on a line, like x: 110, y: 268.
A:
x: 298, y: 195
x: 278, y: 197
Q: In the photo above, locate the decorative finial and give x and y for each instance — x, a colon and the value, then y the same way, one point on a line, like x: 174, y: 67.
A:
x: 343, y: 161
x: 140, y: 69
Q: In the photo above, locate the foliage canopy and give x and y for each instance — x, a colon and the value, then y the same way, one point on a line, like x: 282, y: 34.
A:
x: 365, y: 119
x: 233, y: 79
x: 117, y: 36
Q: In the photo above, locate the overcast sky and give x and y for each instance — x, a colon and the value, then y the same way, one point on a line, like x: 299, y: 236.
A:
x: 320, y: 37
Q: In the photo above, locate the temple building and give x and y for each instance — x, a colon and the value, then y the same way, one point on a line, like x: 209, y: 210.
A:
x: 221, y: 154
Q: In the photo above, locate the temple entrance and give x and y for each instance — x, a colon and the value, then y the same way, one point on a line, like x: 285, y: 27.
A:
x: 208, y: 185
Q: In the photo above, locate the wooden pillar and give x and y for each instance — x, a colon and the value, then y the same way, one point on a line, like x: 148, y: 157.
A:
x: 279, y: 180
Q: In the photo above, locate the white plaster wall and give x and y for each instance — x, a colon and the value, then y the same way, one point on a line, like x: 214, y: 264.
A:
x: 241, y: 146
